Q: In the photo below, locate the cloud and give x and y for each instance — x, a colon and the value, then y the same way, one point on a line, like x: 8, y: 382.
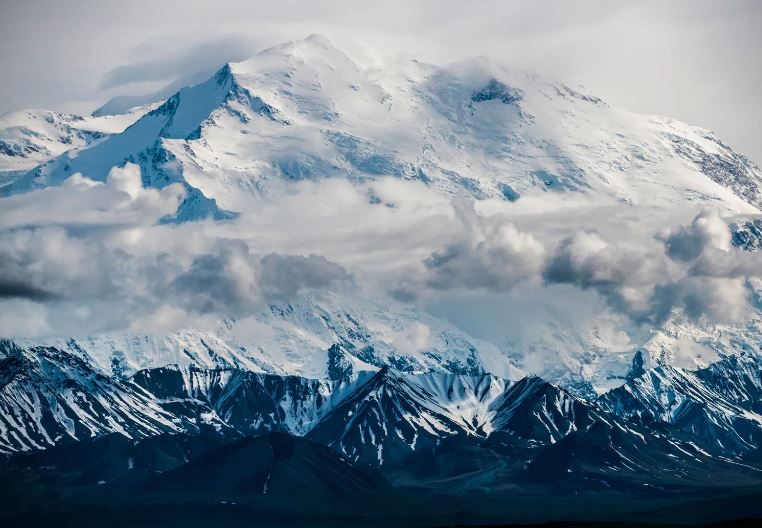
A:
x: 18, y: 289
x: 22, y: 318
x: 411, y: 339
x: 707, y: 230
x: 93, y: 256
x: 283, y: 276
x: 623, y: 275
x: 172, y: 58
x: 722, y: 300
x: 119, y: 201
x: 61, y: 271
x: 691, y: 268
x: 224, y: 281
x: 46, y: 263
x: 486, y: 253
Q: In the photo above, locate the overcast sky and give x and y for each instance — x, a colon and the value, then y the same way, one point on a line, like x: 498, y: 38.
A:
x: 697, y: 60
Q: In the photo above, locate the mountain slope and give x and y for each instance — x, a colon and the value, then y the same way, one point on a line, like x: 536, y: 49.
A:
x: 31, y: 137
x: 275, y: 464
x: 442, y: 431
x: 244, y: 402
x: 717, y: 406
x: 49, y: 397
x: 534, y: 412
x: 326, y: 338
x: 306, y: 110
x: 190, y: 481
x: 394, y: 417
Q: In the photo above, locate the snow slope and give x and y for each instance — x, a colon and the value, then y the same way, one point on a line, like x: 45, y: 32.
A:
x: 31, y: 137
x: 306, y: 110
x: 330, y: 338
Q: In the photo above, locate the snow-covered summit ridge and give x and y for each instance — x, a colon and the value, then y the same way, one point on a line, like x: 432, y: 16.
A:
x: 306, y: 110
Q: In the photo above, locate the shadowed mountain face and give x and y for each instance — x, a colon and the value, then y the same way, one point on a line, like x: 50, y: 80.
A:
x: 404, y: 437
x: 718, y: 405
x: 275, y: 478
x: 276, y: 464
x: 53, y: 397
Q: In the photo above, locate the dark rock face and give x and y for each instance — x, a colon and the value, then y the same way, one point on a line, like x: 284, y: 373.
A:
x: 339, y: 368
x: 724, y: 166
x: 639, y: 365
x: 494, y: 90
x: 748, y: 236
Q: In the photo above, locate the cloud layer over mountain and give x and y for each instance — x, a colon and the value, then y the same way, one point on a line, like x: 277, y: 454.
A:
x: 71, y: 265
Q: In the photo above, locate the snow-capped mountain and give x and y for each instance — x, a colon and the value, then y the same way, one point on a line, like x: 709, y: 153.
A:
x: 306, y: 110
x: 245, y: 402
x: 48, y: 397
x: 390, y: 419
x: 395, y: 417
x: 718, y: 405
x: 29, y: 138
x: 329, y: 338
x: 379, y: 380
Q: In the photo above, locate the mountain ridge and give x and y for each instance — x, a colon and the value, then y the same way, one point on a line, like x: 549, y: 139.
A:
x: 310, y: 86
x: 381, y: 417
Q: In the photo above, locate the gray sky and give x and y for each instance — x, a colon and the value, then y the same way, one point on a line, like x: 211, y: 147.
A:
x: 697, y: 60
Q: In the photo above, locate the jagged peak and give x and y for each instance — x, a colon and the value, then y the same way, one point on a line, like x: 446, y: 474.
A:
x: 224, y: 74
x: 641, y: 361
x: 9, y: 348
x: 532, y: 380
x: 387, y: 377
x: 530, y: 391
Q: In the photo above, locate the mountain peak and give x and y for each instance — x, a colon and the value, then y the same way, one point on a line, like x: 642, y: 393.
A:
x: 487, y: 135
x: 313, y: 46
x: 319, y: 40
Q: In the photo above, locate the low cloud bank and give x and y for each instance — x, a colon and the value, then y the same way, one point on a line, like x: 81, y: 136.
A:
x: 89, y: 257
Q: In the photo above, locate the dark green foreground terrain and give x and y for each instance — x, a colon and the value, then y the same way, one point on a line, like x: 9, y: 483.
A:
x: 280, y: 480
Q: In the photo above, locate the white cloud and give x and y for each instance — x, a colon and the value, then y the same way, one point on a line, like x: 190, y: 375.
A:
x: 22, y: 318
x: 88, y: 257
x: 485, y: 253
x: 120, y: 201
x: 691, y: 268
x: 707, y: 230
x: 412, y: 339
